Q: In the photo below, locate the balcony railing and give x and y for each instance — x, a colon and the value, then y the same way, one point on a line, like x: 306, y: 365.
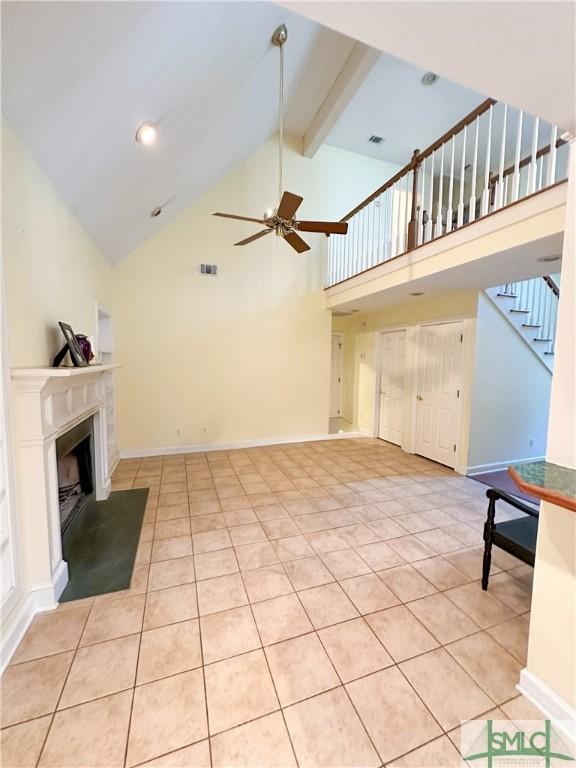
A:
x: 492, y: 158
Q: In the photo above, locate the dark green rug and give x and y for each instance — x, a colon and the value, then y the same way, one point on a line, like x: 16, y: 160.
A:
x: 100, y: 544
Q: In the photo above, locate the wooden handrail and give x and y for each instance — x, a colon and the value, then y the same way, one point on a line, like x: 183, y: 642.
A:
x: 419, y: 156
x: 552, y: 285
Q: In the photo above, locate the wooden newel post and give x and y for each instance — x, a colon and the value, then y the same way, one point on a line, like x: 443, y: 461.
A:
x: 413, y: 223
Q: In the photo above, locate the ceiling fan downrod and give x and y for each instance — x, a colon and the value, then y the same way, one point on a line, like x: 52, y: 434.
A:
x: 279, y: 38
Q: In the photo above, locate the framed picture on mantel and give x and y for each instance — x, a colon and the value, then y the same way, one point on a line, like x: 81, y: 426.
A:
x: 72, y: 346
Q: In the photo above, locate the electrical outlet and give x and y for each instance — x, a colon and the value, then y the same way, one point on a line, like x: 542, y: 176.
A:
x: 532, y: 442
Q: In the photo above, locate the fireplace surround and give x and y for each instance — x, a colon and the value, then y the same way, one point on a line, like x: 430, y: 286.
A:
x: 50, y: 407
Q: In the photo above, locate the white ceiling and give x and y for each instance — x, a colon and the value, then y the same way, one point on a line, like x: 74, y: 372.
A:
x: 393, y: 103
x: 78, y: 78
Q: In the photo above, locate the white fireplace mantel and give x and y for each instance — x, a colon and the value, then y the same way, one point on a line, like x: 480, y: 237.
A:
x: 46, y: 403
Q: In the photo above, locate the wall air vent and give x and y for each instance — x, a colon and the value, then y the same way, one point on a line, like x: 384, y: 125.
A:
x: 208, y: 269
x: 376, y: 139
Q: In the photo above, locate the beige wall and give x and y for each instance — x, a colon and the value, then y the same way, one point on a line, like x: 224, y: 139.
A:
x: 360, y: 339
x: 552, y: 642
x: 53, y: 269
x: 244, y: 355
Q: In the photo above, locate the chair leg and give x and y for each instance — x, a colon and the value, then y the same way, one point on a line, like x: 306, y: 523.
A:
x: 488, y: 529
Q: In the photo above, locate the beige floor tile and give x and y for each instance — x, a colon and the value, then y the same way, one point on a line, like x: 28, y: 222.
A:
x: 32, y: 689
x: 168, y: 529
x: 205, y: 523
x: 439, y: 541
x: 271, y: 512
x: 166, y: 549
x: 265, y: 583
x: 369, y: 593
x: 263, y: 743
x: 442, y: 618
x: 167, y: 714
x: 307, y: 572
x: 401, y: 633
x: 240, y: 516
x: 449, y: 693
x: 510, y: 591
x: 410, y: 548
x: 100, y: 670
x: 300, y: 668
x: 195, y: 756
x: 406, y: 583
x: 327, y: 541
x: 172, y: 511
x: 211, y: 541
x: 166, y: 606
x: 338, y: 517
x: 326, y: 731
x: 92, y: 734
x: 469, y: 561
x: 483, y: 607
x: 20, y: 745
x: 169, y: 650
x: 389, y: 528
x: 239, y: 689
x: 385, y: 703
x: 171, y: 573
x: 327, y: 605
x: 380, y: 555
x: 251, y: 556
x: 280, y: 529
x: 51, y: 632
x: 345, y: 564
x: 521, y: 709
x: 228, y: 634
x: 358, y: 534
x: 493, y: 668
x: 292, y: 548
x: 513, y: 635
x: 440, y: 753
x: 220, y: 594
x: 354, y: 649
x: 212, y: 564
x: 441, y: 573
x: 247, y: 534
x: 313, y: 523
x: 280, y: 618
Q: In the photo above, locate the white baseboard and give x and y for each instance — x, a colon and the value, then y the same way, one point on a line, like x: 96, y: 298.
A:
x: 136, y: 453
x: 13, y: 629
x: 549, y: 703
x: 479, y: 469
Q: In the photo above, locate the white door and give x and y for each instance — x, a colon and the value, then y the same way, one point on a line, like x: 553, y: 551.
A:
x: 392, y: 385
x: 336, y: 377
x: 439, y: 383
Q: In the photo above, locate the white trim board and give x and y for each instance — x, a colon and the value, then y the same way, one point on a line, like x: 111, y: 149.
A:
x: 135, y: 453
x: 479, y: 469
x: 549, y: 703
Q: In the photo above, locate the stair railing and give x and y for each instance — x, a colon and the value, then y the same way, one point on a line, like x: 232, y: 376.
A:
x: 493, y: 157
x: 537, y: 300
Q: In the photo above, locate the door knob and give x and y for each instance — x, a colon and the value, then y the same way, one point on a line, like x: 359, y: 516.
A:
x: 419, y: 397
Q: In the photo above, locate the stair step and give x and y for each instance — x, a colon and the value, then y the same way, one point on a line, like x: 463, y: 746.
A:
x: 521, y: 311
x: 547, y: 340
x: 531, y: 325
x: 508, y: 295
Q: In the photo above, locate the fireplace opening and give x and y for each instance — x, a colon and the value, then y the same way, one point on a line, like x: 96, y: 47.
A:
x: 74, y: 454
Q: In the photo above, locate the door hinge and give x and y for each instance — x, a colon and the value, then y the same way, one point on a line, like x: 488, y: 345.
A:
x: 461, y: 337
x: 338, y: 379
x: 454, y: 447
x: 457, y: 393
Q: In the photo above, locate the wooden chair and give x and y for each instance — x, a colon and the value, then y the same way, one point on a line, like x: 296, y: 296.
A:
x: 517, y: 536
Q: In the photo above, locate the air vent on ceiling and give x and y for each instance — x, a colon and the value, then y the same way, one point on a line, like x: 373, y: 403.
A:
x: 208, y: 269
x: 376, y: 139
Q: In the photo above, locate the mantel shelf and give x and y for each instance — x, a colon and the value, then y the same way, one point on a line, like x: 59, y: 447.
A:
x: 547, y: 481
x: 49, y: 373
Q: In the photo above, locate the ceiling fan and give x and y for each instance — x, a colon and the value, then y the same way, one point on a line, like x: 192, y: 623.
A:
x: 282, y: 221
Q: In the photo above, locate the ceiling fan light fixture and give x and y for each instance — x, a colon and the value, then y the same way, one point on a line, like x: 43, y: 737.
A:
x: 146, y: 134
x: 546, y: 259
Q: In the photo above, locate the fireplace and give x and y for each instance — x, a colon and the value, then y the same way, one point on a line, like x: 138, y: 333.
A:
x: 75, y: 467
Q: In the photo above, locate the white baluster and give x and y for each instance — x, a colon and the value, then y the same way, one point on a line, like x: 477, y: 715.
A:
x: 460, y: 219
x: 449, y: 212
x: 540, y: 164
x: 472, y: 202
x: 386, y: 238
x: 397, y: 214
x: 551, y: 175
x: 533, y: 169
x: 438, y: 225
x: 486, y: 191
x: 429, y: 223
x: 499, y: 201
x: 407, y: 209
x: 421, y: 207
x: 380, y: 242
x: 506, y: 190
x: 517, y: 152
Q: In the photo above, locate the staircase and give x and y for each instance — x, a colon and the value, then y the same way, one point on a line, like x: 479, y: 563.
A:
x: 531, y: 307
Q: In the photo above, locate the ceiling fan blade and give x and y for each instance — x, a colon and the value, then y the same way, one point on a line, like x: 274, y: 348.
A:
x: 240, y: 218
x: 328, y: 227
x: 296, y: 242
x: 288, y: 205
x: 254, y: 237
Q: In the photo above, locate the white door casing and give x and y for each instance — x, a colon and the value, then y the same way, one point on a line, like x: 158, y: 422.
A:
x: 336, y: 361
x: 438, y: 387
x: 392, y: 386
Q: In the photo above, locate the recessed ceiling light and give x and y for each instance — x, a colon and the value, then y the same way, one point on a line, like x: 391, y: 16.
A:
x: 549, y: 258
x: 146, y: 134
x: 429, y: 78
x: 417, y: 293
x: 155, y: 212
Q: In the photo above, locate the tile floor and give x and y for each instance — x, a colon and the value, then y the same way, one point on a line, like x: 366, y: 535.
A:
x: 313, y: 605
